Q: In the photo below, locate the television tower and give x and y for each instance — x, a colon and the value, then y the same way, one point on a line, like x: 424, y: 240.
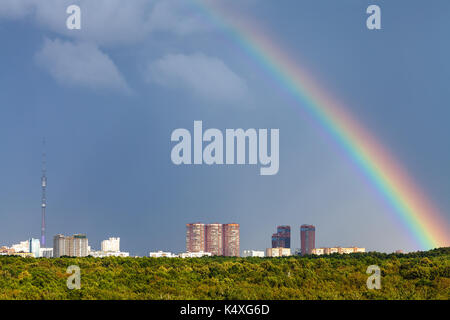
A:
x: 44, y: 199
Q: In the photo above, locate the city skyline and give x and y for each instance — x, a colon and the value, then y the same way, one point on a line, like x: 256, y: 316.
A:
x: 214, y: 239
x: 212, y: 235
x: 280, y: 239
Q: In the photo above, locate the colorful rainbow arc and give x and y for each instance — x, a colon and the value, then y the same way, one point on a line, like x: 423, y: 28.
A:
x: 421, y: 219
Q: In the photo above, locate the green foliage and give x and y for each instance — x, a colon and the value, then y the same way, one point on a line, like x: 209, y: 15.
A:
x: 419, y: 275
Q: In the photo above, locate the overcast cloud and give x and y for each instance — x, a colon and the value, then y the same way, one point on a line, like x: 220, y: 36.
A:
x: 80, y: 64
x: 207, y: 77
x: 110, y: 22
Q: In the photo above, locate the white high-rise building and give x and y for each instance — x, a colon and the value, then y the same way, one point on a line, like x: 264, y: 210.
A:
x: 109, y: 248
x: 111, y: 245
x: 35, y: 247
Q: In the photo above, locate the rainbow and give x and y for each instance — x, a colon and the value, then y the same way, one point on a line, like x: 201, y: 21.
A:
x: 424, y: 223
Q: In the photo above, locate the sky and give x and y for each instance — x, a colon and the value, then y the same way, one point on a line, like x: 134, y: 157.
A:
x: 107, y: 98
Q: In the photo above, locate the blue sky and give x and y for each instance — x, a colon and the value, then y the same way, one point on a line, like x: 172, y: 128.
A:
x: 108, y: 97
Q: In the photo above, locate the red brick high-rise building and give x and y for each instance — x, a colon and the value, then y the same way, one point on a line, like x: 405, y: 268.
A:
x: 195, y: 237
x: 231, y: 240
x: 308, y: 238
x: 219, y: 239
x: 214, y: 239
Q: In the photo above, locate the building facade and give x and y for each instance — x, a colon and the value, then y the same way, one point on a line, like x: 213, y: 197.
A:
x: 278, y: 252
x: 23, y: 254
x: 195, y: 237
x: 111, y: 245
x: 61, y: 246
x: 214, y: 239
x: 253, y: 253
x: 35, y: 247
x: 23, y: 246
x: 194, y: 254
x: 231, y: 240
x: 5, y: 251
x: 80, y: 246
x: 340, y: 250
x: 46, y: 252
x: 162, y: 254
x: 282, y: 239
x: 103, y: 254
x: 307, y: 238
x: 217, y: 239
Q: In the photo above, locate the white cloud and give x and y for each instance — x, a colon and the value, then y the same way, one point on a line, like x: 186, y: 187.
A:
x: 206, y: 77
x: 110, y: 22
x: 80, y: 65
x: 105, y: 24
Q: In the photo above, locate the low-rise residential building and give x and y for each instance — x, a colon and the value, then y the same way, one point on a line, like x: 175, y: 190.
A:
x: 195, y: 254
x: 23, y: 246
x: 162, y: 254
x: 103, y: 254
x: 340, y: 250
x: 252, y: 253
x: 5, y: 251
x: 46, y: 252
x: 278, y: 252
x: 23, y: 254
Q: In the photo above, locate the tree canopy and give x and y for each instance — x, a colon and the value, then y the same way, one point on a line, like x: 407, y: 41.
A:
x: 419, y: 275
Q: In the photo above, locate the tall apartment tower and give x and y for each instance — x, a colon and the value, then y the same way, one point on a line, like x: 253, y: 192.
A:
x: 231, y: 240
x: 59, y: 247
x: 80, y: 245
x: 219, y: 239
x: 35, y: 247
x: 282, y: 239
x: 307, y: 238
x: 72, y: 246
x: 214, y: 239
x: 195, y: 237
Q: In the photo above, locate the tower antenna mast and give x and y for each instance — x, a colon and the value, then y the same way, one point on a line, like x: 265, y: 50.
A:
x: 44, y: 199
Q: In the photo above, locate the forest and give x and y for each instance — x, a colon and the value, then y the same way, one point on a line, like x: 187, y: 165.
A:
x: 419, y: 275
